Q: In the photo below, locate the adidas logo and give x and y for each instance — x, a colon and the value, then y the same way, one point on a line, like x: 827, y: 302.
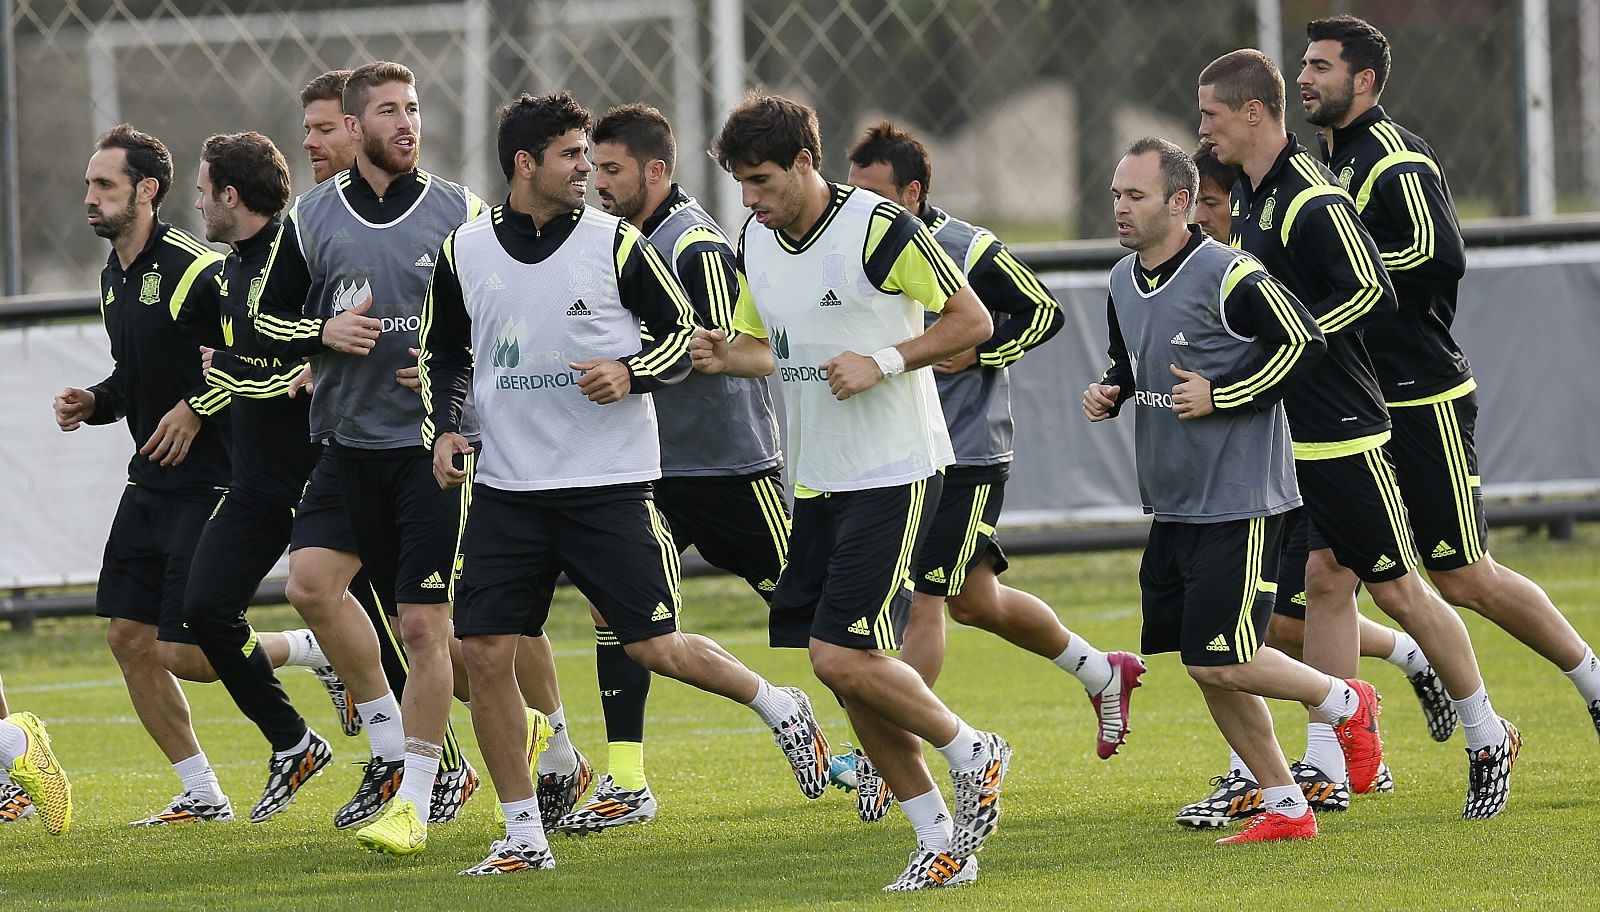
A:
x: 433, y: 581
x: 936, y: 575
x: 1443, y: 550
x: 1299, y: 598
x: 494, y: 283
x: 940, y: 818
x: 378, y: 717
x: 579, y: 310
x: 342, y: 236
x: 860, y: 628
x: 523, y: 816
x: 425, y: 261
x: 1217, y: 644
x: 767, y: 585
x: 662, y: 613
x: 1179, y: 340
x: 1384, y: 562
x: 830, y: 300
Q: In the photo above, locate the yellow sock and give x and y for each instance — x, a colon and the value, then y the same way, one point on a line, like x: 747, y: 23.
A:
x: 625, y: 763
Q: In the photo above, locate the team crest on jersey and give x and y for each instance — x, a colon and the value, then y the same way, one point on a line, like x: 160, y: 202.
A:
x: 780, y: 344
x: 1346, y: 175
x: 1267, y: 209
x: 508, y: 345
x: 150, y: 288
x: 348, y: 294
x: 833, y: 271
x: 582, y: 278
x: 254, y: 298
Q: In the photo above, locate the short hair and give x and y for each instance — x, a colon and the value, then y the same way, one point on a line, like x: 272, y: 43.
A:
x: 146, y: 157
x: 252, y: 165
x: 358, y: 87
x: 906, y: 157
x: 1177, y: 168
x: 1210, y: 168
x: 768, y: 128
x: 1361, y: 45
x: 1245, y: 75
x: 529, y: 124
x: 642, y: 130
x: 327, y: 87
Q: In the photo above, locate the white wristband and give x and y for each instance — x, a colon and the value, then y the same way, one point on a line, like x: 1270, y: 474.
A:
x: 890, y: 361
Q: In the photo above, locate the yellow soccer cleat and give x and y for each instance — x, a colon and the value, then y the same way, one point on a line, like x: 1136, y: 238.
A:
x: 399, y: 831
x: 41, y: 776
x: 539, y: 734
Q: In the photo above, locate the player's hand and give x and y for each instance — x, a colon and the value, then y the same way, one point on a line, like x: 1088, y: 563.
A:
x: 1098, y: 401
x: 604, y: 382
x: 73, y: 407
x: 410, y: 377
x: 207, y: 356
x: 850, y: 373
x: 302, y: 381
x: 446, y: 447
x: 170, y: 442
x: 708, y: 350
x: 1192, y: 397
x: 957, y: 362
x: 352, y: 332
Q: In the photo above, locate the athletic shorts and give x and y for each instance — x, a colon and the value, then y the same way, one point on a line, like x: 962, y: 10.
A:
x: 320, y: 520
x: 738, y: 524
x: 148, y: 556
x: 1208, y: 588
x: 962, y: 532
x: 1291, y: 601
x: 407, y: 529
x: 619, y: 554
x: 238, y: 547
x: 1355, y: 508
x: 1437, y: 466
x: 850, y: 559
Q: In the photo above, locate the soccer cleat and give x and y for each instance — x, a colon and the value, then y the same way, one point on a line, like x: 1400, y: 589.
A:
x: 285, y: 776
x: 802, y: 741
x: 451, y: 790
x: 873, y: 797
x: 559, y: 793
x: 1111, y: 703
x: 399, y: 831
x: 1359, y: 738
x: 380, y: 781
x: 509, y: 856
x: 40, y: 776
x: 1322, y: 793
x: 14, y: 803
x: 186, y: 808
x: 1384, y: 784
x: 1489, y: 776
x: 1235, y: 798
x: 610, y: 806
x: 842, y: 770
x: 1594, y: 714
x: 1436, y: 709
x: 977, y: 795
x: 934, y: 869
x: 343, y: 706
x: 1273, y: 826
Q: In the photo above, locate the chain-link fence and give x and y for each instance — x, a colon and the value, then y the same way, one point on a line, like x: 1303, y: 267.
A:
x: 1023, y: 103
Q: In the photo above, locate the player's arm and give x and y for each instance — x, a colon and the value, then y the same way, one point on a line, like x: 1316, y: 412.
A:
x: 103, y: 403
x: 1104, y: 399
x: 1341, y: 250
x: 919, y: 268
x: 747, y: 353
x: 1006, y: 286
x: 1288, y: 342
x: 196, y: 307
x: 651, y: 292
x: 280, y: 319
x: 1430, y: 250
x: 227, y: 371
x: 446, y: 359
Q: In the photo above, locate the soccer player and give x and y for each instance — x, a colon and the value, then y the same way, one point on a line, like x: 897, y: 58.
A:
x: 1216, y: 189
x: 31, y: 779
x: 1205, y: 343
x: 1403, y: 199
x: 558, y: 298
x: 960, y: 562
x: 826, y: 270
x: 329, y: 146
x: 720, y: 460
x: 1304, y: 229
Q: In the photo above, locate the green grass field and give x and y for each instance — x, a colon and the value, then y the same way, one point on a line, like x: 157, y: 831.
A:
x: 735, y: 833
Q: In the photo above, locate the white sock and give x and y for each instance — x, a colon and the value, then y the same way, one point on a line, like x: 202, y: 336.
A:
x: 1324, y: 753
x: 384, y: 728
x: 773, y: 704
x: 1084, y: 662
x: 13, y: 744
x: 303, y: 649
x: 965, y: 751
x: 422, y: 767
x: 523, y: 823
x: 559, y: 755
x: 199, y: 779
x: 1284, y: 799
x: 300, y: 746
x: 1340, y: 704
x: 930, y: 817
x: 1586, y: 676
x: 1407, y: 655
x: 1478, y: 720
x: 1236, y: 765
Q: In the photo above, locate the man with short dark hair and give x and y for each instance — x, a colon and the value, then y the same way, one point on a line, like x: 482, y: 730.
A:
x: 328, y: 144
x: 1216, y: 189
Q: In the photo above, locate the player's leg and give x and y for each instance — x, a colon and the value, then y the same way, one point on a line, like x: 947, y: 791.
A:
x: 33, y: 781
x: 563, y: 774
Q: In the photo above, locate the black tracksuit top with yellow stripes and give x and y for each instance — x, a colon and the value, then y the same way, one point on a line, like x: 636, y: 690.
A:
x: 1403, y: 200
x: 1303, y: 228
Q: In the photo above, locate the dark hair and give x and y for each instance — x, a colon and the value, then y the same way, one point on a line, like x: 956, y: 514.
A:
x: 1213, y: 170
x: 1241, y: 76
x: 642, y: 130
x: 907, y: 158
x: 147, y: 157
x: 327, y: 87
x: 768, y: 128
x: 1177, y: 168
x: 1361, y: 45
x: 252, y: 165
x: 530, y: 124
x: 368, y: 77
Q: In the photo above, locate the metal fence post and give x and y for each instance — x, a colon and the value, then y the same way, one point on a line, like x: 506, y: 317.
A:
x: 10, y: 207
x: 1538, y: 121
x: 727, y: 82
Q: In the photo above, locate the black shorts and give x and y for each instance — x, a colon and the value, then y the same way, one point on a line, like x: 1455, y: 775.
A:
x: 1291, y: 600
x: 320, y: 520
x: 238, y: 547
x: 962, y: 531
x: 738, y: 524
x: 618, y: 553
x: 1208, y: 588
x: 407, y: 529
x: 148, y: 557
x: 850, y: 558
x: 1437, y: 465
x: 1355, y: 508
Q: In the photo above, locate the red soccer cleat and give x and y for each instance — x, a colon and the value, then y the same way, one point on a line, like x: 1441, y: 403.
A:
x: 1273, y: 826
x: 1359, y: 738
x: 1111, y: 703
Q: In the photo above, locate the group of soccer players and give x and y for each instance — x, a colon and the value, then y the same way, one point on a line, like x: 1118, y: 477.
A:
x: 441, y: 406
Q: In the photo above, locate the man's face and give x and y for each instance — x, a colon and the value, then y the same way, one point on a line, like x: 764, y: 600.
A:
x: 390, y: 127
x: 1327, y: 87
x: 1212, y: 212
x: 775, y: 195
x: 219, y: 217
x: 1224, y: 128
x: 878, y: 177
x: 562, y: 175
x: 1144, y: 215
x: 619, y: 180
x: 109, y: 199
x: 328, y: 144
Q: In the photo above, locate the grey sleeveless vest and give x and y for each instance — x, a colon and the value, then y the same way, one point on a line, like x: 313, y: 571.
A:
x: 977, y: 401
